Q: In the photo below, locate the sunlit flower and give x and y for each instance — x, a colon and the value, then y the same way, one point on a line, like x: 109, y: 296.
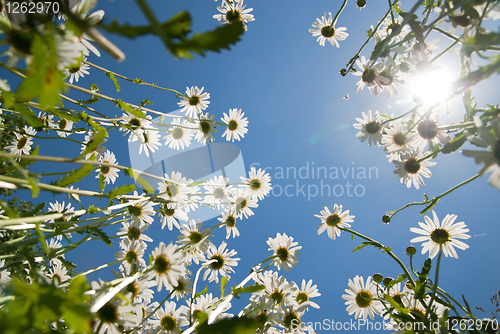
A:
x: 195, y: 102
x: 180, y: 136
x: 142, y: 211
x: 236, y: 125
x: 443, y: 235
x: 170, y: 215
x: 369, y: 74
x: 397, y: 140
x: 206, y: 128
x: 77, y: 71
x: 361, y: 298
x: 68, y: 210
x: 217, y: 191
x: 134, y: 230
x: 131, y: 255
x: 63, y: 125
x: 110, y: 173
x: 229, y: 218
x: 168, y: 320
x: 183, y: 288
x: 491, y: 157
x: 331, y: 221
x: 285, y: 250
x: 224, y: 261
x: 430, y: 134
x: 192, y: 237
x: 306, y: 292
x: 89, y: 139
x: 59, y: 274
x: 233, y: 12
x: 115, y: 314
x: 370, y: 127
x: 150, y: 141
x: 242, y: 203
x: 277, y: 289
x: 134, y: 125
x: 390, y: 27
x: 410, y: 170
x: 168, y: 265
x: 204, y: 302
x: 174, y: 189
x: 4, y: 275
x: 258, y: 183
x: 22, y: 143
x: 323, y: 28
x: 387, y: 80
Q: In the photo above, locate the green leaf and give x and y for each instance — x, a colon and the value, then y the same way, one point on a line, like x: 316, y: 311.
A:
x: 115, y: 81
x: 124, y: 189
x: 394, y: 304
x: 214, y: 40
x: 454, y: 144
x: 247, y: 289
x: 11, y: 213
x: 101, y: 235
x: 145, y: 101
x: 35, y: 210
x: 99, y: 137
x: 379, y: 48
x: 201, y: 293
x: 28, y: 115
x: 236, y: 325
x: 124, y: 106
x: 223, y: 282
x: 482, y: 41
x: 363, y: 245
x: 76, y: 175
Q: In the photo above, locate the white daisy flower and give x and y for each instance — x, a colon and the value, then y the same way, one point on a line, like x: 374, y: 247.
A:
x: 110, y: 173
x: 150, y: 141
x: 491, y: 157
x: 263, y: 313
x: 22, y: 143
x: 242, y: 203
x: 445, y: 234
x: 229, y: 219
x: 63, y: 125
x: 183, y: 288
x: 409, y: 169
x: 142, y: 211
x: 236, y: 125
x: 397, y: 140
x: 76, y: 71
x: 285, y: 250
x: 224, y: 261
x: 89, y: 138
x: 193, y: 236
x: 234, y: 11
x: 114, y: 315
x: 135, y: 125
x: 331, y: 221
x: 430, y: 134
x: 180, y: 136
x: 61, y: 208
x: 170, y: 215
x: 387, y: 79
x: 195, y: 102
x: 323, y: 28
x: 370, y: 127
x: 174, y: 189
x: 361, y: 298
x: 217, y: 191
x: 305, y: 293
x: 59, y: 274
x: 204, y: 302
x: 277, y: 289
x: 389, y: 27
x: 55, y: 248
x: 369, y: 74
x: 134, y: 230
x: 291, y: 320
x: 168, y: 320
x: 67, y: 49
x: 206, y: 128
x: 137, y: 291
x: 258, y: 183
x: 4, y: 275
x: 131, y: 255
x: 168, y: 265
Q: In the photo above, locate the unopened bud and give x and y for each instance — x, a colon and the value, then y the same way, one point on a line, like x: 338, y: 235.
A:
x: 410, y: 250
x: 377, y: 278
x: 361, y: 3
x: 386, y: 219
x: 387, y: 281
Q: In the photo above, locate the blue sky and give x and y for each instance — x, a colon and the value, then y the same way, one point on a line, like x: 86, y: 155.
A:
x: 292, y: 93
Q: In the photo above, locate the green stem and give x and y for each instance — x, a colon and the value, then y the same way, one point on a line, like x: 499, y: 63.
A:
x: 436, y: 280
x: 338, y: 13
x: 385, y: 250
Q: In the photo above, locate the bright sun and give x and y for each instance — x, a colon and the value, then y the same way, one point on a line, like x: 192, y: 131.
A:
x: 432, y: 87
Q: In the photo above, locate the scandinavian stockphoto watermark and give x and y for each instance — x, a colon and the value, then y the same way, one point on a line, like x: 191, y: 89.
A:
x: 311, y: 181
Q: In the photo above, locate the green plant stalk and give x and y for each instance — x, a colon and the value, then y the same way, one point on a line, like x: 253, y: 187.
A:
x: 436, y: 280
x: 338, y: 13
x: 391, y: 254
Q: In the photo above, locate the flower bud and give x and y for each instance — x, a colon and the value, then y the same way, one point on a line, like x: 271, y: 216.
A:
x: 410, y: 250
x: 409, y: 285
x: 387, y: 281
x: 386, y: 219
x: 343, y: 72
x: 377, y: 278
x: 361, y: 3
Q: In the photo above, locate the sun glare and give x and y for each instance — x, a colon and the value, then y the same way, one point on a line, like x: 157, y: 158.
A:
x: 432, y: 87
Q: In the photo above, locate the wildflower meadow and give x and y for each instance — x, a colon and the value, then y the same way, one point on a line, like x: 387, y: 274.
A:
x: 249, y: 167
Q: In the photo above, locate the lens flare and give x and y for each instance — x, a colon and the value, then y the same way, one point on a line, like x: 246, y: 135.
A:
x: 432, y: 87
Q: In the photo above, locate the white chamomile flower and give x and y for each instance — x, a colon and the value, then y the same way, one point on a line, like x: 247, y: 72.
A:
x: 206, y: 128
x: 180, y: 135
x: 168, y: 265
x: 150, y: 141
x: 324, y: 29
x: 242, y: 203
x: 361, y: 298
x: 77, y: 71
x: 217, y: 191
x: 429, y: 133
x: 397, y: 140
x: 131, y: 255
x: 387, y: 80
x: 277, y: 289
x: 436, y: 235
x: 134, y: 125
x: 229, y: 219
x: 59, y: 274
x: 236, y: 125
x: 134, y: 230
x: 89, y: 139
x: 331, y: 221
x: 410, y: 169
x: 63, y: 126
x: 306, y: 292
x: 370, y: 127
x: 142, y: 211
x: 491, y: 157
x: 258, y: 183
x: 174, y: 189
x: 170, y: 215
x: 194, y: 102
x: 233, y: 11
x: 285, y: 250
x: 192, y: 236
x: 22, y: 143
x: 110, y: 173
x: 222, y: 264
x: 369, y: 74
x: 169, y: 319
